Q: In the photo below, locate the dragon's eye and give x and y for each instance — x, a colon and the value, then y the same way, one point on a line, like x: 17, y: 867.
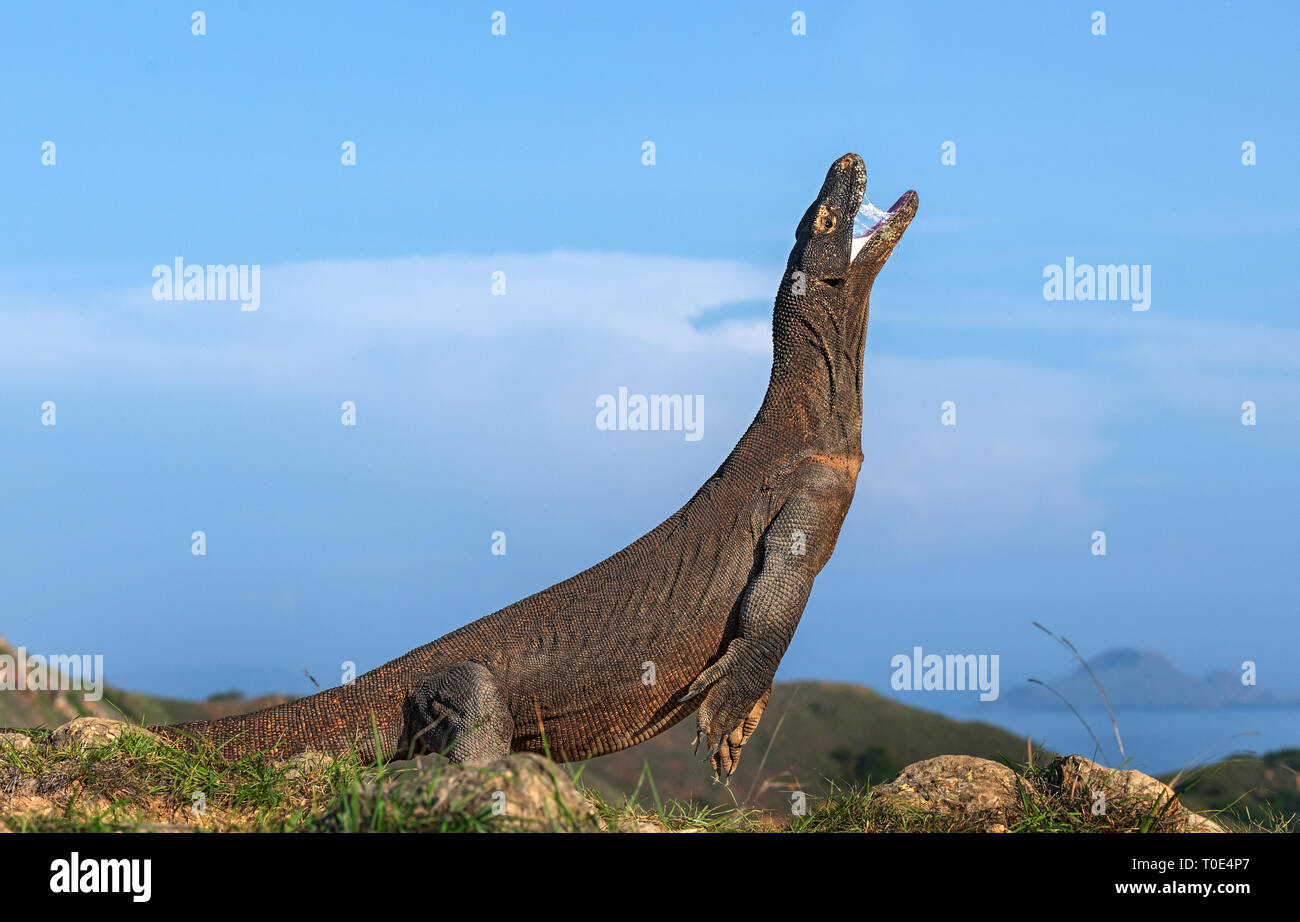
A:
x: 828, y: 222
x: 825, y: 220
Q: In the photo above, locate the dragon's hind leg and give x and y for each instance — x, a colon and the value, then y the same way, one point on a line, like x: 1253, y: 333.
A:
x: 461, y: 712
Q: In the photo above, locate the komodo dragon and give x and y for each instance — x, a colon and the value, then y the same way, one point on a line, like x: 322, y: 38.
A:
x: 711, y: 597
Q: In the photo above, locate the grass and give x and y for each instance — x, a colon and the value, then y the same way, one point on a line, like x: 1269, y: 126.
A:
x: 1042, y: 807
x: 1250, y: 792
x: 140, y: 782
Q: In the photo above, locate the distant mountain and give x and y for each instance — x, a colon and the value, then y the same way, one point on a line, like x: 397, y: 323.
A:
x: 831, y: 730
x: 1143, y: 680
x: 39, y: 708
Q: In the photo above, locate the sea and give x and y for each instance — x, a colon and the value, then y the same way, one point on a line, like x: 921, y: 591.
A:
x: 1154, y: 741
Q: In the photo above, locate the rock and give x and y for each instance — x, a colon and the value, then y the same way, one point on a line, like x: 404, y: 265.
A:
x: 635, y: 824
x: 521, y: 791
x: 1076, y: 774
x: 87, y: 732
x: 976, y: 792
x: 19, y: 741
x: 1197, y: 823
x: 1079, y: 778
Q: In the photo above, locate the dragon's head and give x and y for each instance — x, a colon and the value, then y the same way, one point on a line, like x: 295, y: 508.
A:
x: 843, y: 239
x: 819, y: 321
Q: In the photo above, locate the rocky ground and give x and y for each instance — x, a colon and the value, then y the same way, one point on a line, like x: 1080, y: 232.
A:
x: 98, y: 774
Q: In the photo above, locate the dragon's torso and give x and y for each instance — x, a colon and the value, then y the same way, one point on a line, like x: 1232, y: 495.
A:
x: 692, y: 617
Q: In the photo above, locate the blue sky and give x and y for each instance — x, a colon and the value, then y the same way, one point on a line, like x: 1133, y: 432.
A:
x: 522, y: 153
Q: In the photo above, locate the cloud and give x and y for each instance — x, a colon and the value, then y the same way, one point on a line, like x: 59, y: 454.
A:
x: 427, y: 332
x: 316, y: 314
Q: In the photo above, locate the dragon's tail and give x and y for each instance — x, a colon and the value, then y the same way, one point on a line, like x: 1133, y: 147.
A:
x: 365, y: 717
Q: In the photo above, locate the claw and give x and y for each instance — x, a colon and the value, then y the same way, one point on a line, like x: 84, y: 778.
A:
x: 699, y: 685
x: 723, y: 775
x: 721, y: 740
x: 724, y: 713
x: 706, y: 678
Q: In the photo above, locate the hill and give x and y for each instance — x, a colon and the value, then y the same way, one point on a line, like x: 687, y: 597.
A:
x: 1246, y: 787
x: 830, y: 730
x: 39, y: 708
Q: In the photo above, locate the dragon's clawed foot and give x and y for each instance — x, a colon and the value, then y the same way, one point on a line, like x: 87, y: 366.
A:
x: 738, y: 688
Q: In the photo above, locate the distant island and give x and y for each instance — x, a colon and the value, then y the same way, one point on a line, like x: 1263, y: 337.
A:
x: 1144, y: 680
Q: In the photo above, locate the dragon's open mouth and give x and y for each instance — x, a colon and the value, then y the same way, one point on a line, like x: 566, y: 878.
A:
x: 870, y: 220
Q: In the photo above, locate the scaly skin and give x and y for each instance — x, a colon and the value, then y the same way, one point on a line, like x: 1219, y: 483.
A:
x: 711, y: 598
